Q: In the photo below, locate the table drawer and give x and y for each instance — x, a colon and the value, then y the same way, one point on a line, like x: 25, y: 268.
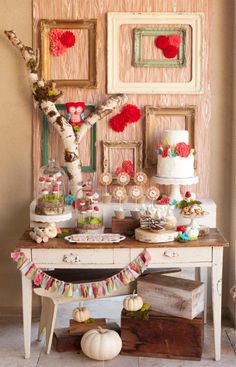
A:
x: 73, y: 256
x: 178, y: 255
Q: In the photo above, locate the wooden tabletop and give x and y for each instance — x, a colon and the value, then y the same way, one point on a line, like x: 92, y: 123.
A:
x: 215, y: 238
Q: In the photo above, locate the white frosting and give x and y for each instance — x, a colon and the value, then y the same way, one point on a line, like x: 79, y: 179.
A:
x: 175, y: 167
x: 176, y: 136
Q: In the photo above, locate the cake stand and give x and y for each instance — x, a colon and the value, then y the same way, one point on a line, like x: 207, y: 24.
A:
x: 193, y: 223
x: 175, y: 183
x: 67, y: 215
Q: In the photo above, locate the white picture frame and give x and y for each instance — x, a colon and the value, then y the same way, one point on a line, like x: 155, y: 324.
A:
x: 117, y: 19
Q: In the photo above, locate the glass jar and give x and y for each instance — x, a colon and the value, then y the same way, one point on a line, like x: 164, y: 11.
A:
x: 51, y: 183
x: 89, y: 215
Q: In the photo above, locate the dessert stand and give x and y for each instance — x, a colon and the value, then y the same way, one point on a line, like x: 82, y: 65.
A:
x: 175, y: 183
x: 193, y: 223
x: 57, y: 218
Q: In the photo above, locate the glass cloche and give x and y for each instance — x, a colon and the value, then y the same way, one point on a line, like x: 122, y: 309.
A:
x: 51, y: 183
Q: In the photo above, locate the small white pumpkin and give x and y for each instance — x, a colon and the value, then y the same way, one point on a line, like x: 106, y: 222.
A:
x: 192, y: 232
x: 51, y: 230
x: 101, y: 344
x: 133, y: 302
x: 81, y: 314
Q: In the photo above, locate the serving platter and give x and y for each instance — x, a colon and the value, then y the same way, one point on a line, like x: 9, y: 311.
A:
x: 95, y: 238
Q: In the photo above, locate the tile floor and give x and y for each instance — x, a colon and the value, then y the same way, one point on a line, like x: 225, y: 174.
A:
x: 11, y: 345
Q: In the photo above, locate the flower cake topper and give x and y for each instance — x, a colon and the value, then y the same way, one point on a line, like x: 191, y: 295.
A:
x: 169, y: 45
x: 153, y: 193
x: 123, y: 179
x: 128, y: 115
x: 75, y: 114
x: 105, y: 178
x: 119, y: 193
x: 60, y: 41
x: 136, y: 192
x: 140, y: 178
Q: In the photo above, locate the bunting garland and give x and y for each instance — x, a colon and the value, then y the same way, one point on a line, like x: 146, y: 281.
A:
x: 82, y: 290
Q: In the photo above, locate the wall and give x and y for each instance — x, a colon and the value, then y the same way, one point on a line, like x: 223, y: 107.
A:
x: 16, y: 146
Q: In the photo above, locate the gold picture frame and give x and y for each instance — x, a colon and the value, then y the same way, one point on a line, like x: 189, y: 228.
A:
x: 137, y: 147
x: 46, y: 58
x: 151, y: 113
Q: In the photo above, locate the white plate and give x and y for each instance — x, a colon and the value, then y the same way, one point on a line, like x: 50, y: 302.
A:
x: 95, y: 238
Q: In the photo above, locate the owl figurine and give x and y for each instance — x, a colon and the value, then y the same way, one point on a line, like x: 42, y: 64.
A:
x: 75, y: 114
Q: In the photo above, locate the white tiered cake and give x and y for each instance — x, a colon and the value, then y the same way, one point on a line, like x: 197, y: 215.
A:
x: 175, y: 156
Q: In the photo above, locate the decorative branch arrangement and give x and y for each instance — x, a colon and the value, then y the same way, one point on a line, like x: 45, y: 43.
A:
x: 45, y: 95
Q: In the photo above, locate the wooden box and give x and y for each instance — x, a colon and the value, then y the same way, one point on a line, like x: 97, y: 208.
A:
x: 63, y: 341
x: 124, y: 225
x: 162, y: 336
x: 82, y: 327
x: 172, y: 296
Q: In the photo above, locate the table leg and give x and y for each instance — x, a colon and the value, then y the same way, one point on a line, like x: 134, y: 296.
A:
x: 27, y: 312
x: 216, y: 297
x: 204, y: 279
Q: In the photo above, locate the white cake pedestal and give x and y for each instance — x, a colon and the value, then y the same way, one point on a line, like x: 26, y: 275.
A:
x: 175, y: 183
x: 67, y: 215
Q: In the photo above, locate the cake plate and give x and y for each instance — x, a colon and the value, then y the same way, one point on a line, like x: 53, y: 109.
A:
x: 193, y: 223
x: 50, y: 218
x: 175, y: 183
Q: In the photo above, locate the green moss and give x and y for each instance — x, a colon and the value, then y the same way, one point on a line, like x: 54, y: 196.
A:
x: 52, y: 199
x: 142, y: 314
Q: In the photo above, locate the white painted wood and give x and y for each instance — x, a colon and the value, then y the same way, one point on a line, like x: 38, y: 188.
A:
x: 204, y: 279
x: 59, y: 256
x: 27, y: 312
x: 217, y: 297
x: 116, y: 19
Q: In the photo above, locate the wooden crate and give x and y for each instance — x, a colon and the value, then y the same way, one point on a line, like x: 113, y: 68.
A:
x: 124, y: 225
x: 162, y: 336
x: 172, y: 296
x: 81, y: 327
x: 63, y: 341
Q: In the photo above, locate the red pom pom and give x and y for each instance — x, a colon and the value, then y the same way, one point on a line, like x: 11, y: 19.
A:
x: 174, y: 40
x: 161, y: 42
x: 170, y: 52
x: 118, y: 123
x: 131, y: 113
x: 67, y: 39
x: 188, y: 194
x: 181, y: 228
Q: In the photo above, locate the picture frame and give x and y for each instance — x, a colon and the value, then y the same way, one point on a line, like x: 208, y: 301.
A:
x: 151, y: 113
x: 45, y: 137
x: 139, y: 33
x: 116, y: 20
x: 108, y: 146
x: 69, y: 79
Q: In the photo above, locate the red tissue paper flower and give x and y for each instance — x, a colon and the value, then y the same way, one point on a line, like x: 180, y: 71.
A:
x: 119, y: 170
x: 161, y: 42
x: 164, y: 200
x: 183, y: 150
x: 170, y: 52
x: 174, y: 40
x: 67, y: 39
x: 118, y: 123
x: 131, y: 113
x: 56, y: 47
x: 128, y: 167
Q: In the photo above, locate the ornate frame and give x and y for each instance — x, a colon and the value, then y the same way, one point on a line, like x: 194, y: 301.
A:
x: 92, y: 166
x: 139, y: 33
x: 138, y: 153
x: 91, y: 25
x: 115, y: 85
x: 188, y: 112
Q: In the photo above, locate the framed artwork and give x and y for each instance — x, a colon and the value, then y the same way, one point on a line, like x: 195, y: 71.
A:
x: 159, y: 119
x: 141, y: 33
x: 124, y: 77
x: 91, y: 167
x: 116, y: 152
x: 63, y: 43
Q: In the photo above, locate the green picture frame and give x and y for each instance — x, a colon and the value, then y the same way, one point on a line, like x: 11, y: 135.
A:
x: 139, y: 33
x: 92, y: 166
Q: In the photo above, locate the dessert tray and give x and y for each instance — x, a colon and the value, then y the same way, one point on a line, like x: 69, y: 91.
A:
x: 95, y: 238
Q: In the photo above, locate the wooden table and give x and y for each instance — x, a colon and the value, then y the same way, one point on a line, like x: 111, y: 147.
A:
x: 57, y: 253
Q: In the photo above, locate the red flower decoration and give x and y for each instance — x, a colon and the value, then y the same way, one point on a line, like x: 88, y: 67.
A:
x: 170, y: 52
x: 128, y: 165
x: 161, y: 42
x: 181, y: 228
x: 119, y: 170
x: 118, y: 123
x: 183, y: 150
x: 163, y: 201
x: 165, y: 152
x: 131, y: 113
x: 174, y: 40
x: 188, y: 194
x: 56, y: 47
x: 67, y: 39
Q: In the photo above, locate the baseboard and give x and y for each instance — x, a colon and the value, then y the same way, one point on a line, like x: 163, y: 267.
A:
x: 16, y: 313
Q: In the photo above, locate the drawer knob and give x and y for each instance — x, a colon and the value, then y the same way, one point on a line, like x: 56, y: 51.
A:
x: 171, y: 253
x: 71, y: 258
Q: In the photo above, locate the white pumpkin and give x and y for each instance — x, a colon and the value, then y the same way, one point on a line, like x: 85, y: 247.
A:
x: 101, y: 344
x: 81, y: 314
x: 51, y: 230
x: 192, y: 232
x: 133, y: 302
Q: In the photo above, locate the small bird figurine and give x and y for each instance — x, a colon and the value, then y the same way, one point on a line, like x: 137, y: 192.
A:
x: 75, y: 114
